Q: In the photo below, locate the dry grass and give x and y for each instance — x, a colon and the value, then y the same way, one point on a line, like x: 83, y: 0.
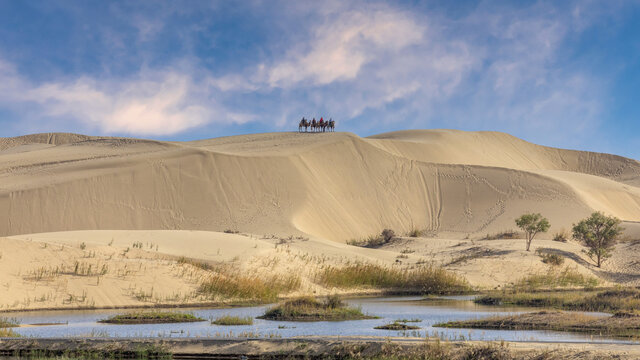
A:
x: 255, y: 288
x: 622, y: 325
x: 556, y: 278
x: 604, y: 301
x: 424, y: 279
x: 223, y: 282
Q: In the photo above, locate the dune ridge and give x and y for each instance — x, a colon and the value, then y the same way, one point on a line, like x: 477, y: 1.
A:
x: 336, y: 186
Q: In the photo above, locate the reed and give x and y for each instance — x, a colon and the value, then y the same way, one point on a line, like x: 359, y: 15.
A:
x: 425, y: 279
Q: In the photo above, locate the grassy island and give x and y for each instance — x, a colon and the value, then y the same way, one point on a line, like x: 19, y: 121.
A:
x: 311, y: 309
x: 232, y: 320
x: 620, y: 324
x: 397, y: 326
x: 148, y: 317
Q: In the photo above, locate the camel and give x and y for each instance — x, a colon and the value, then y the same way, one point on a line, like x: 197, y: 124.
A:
x: 304, y: 123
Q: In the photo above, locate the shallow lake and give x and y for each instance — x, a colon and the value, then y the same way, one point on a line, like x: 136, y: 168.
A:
x: 432, y: 311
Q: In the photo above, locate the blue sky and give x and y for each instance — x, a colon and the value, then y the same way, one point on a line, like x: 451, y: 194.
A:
x: 558, y: 73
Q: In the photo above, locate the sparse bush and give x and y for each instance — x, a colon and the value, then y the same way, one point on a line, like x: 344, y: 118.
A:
x: 83, y: 246
x: 388, y: 235
x: 415, y: 233
x: 561, y: 236
x: 552, y: 259
x: 230, y: 231
x: 374, y: 241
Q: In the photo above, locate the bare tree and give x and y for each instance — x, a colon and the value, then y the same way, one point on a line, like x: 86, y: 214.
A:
x: 599, y: 233
x: 532, y: 224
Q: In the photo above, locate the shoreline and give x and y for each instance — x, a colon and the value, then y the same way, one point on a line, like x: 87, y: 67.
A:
x: 309, y: 347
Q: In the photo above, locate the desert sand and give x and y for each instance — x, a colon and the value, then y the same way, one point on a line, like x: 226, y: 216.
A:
x: 72, y: 200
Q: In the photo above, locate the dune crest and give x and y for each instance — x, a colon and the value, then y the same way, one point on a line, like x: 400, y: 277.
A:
x: 335, y: 186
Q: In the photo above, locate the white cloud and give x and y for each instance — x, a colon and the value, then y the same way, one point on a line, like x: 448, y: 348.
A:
x: 151, y: 103
x: 343, y: 43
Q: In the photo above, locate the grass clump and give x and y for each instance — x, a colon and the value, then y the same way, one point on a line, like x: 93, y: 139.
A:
x: 620, y: 324
x: 550, y: 258
x: 310, y: 309
x: 561, y: 236
x: 424, y: 279
x: 151, y: 317
x: 229, y: 320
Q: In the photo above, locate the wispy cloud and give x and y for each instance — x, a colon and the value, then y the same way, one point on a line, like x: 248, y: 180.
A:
x: 151, y: 103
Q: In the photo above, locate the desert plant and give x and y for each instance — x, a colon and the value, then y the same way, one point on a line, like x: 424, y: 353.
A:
x: 388, y: 235
x: 599, y: 233
x: 532, y: 224
x: 561, y: 236
x: 552, y: 259
x: 415, y: 233
x: 83, y: 246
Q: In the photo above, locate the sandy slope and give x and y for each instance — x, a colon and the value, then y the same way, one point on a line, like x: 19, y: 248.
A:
x: 176, y: 198
x: 335, y: 186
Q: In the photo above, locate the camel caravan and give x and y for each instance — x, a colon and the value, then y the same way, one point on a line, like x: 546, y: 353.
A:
x: 317, y: 126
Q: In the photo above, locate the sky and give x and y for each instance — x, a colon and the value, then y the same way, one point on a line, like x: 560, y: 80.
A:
x: 557, y: 73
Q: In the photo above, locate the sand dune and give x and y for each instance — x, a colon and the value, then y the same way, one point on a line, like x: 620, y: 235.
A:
x: 334, y: 185
x: 72, y: 199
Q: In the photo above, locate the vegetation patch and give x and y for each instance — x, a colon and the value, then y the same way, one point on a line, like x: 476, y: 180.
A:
x: 233, y: 320
x: 509, y: 234
x: 550, y: 258
x: 374, y: 241
x: 424, y: 279
x: 611, y: 301
x: 149, y: 317
x: 620, y: 324
x: 224, y: 283
x: 397, y: 326
x: 556, y: 278
x: 311, y: 309
x: 8, y: 322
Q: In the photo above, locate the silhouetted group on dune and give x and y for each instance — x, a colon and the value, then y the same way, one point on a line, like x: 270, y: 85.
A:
x: 317, y: 126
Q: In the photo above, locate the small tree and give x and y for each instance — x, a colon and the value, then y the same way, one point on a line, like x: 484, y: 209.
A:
x: 532, y: 224
x: 599, y: 233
